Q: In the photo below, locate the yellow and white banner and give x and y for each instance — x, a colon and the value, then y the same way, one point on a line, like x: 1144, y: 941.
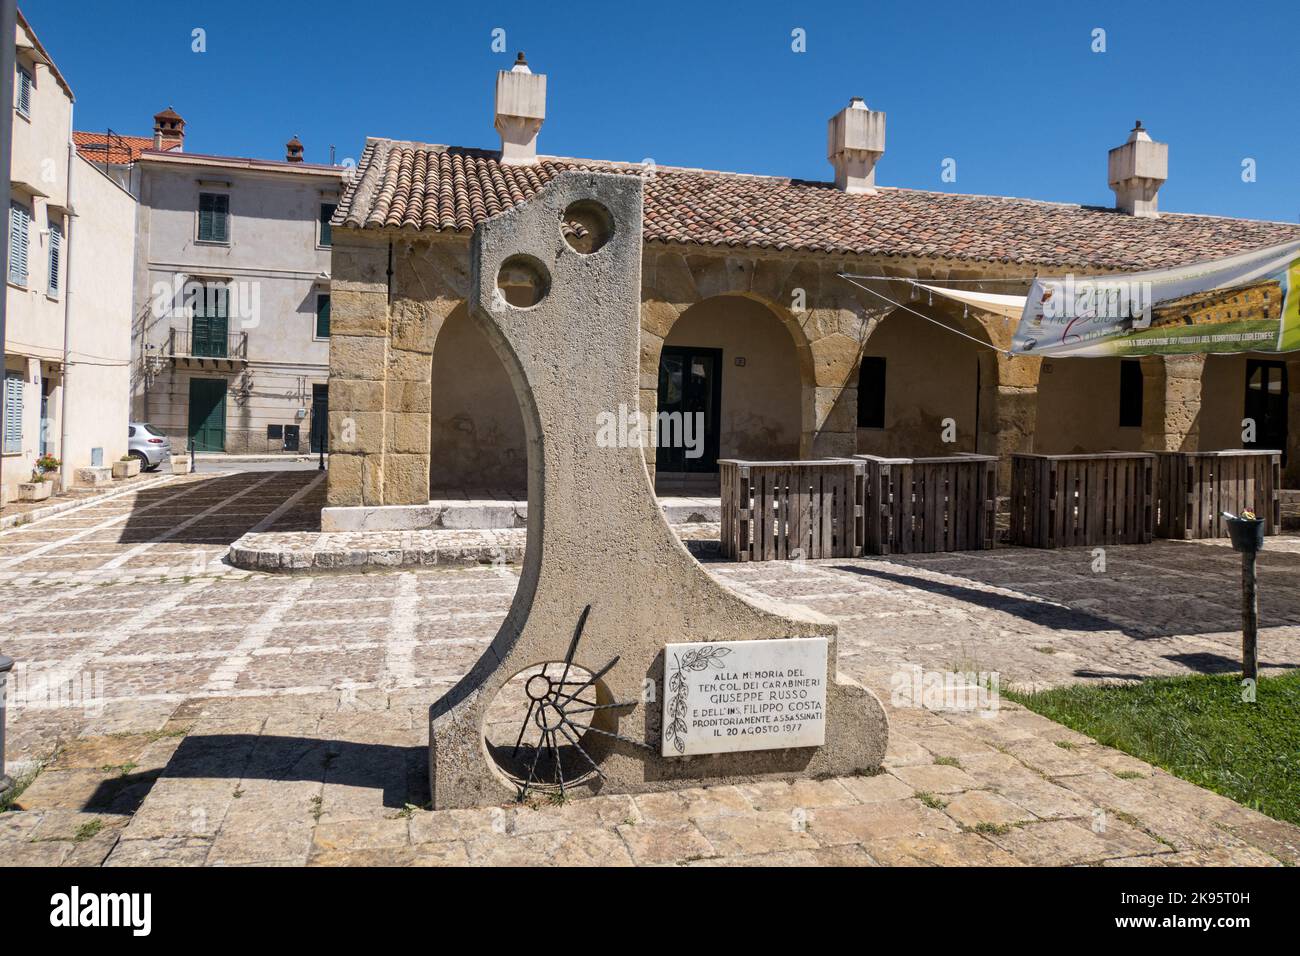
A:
x: 1245, y: 303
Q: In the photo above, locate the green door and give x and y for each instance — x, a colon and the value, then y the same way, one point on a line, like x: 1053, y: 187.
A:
x: 208, y: 414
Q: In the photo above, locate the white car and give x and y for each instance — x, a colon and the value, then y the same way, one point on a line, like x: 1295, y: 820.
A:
x: 148, y: 444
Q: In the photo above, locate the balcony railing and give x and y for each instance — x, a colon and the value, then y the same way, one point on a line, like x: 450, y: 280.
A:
x: 232, y: 346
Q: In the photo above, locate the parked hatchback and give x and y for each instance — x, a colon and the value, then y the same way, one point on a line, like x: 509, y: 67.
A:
x: 148, y: 444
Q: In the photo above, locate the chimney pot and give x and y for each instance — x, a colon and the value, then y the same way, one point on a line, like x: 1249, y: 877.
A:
x: 168, y: 130
x: 520, y: 112
x: 1136, y: 171
x: 855, y: 141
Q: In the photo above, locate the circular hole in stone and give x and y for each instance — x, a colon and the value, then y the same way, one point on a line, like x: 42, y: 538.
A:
x: 539, y: 724
x: 586, y: 226
x: 523, y: 281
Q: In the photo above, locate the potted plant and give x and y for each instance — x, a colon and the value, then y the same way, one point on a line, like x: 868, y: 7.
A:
x: 126, y: 467
x: 41, y: 486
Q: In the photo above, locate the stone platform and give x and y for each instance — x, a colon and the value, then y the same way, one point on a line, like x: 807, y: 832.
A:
x: 310, y: 551
x: 460, y: 513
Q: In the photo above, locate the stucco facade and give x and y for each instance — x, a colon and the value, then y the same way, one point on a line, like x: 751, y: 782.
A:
x: 69, y: 310
x: 267, y: 358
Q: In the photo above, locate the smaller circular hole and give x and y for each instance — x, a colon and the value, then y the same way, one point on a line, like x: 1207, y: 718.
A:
x: 523, y: 281
x: 586, y: 226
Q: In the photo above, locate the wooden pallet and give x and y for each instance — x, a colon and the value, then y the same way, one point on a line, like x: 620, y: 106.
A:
x: 1064, y: 501
x: 1193, y: 489
x: 791, y: 510
x: 919, y: 505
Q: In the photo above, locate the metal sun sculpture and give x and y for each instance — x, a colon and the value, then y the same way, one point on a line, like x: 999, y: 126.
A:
x: 551, y: 707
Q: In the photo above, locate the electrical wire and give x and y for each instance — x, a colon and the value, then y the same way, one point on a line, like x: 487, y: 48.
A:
x: 949, y: 328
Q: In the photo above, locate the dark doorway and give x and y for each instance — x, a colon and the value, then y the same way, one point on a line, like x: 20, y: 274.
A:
x: 1266, y: 400
x: 207, y: 414
x: 690, y: 390
x: 319, y: 416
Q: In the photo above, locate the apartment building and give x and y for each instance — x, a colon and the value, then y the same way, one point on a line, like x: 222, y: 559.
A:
x: 230, y: 335
x: 68, y: 286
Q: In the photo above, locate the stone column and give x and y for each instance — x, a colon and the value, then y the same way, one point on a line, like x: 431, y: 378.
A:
x: 358, y: 363
x: 1016, y: 411
x: 1153, y: 403
x: 1182, y: 402
x: 830, y: 400
x: 430, y: 279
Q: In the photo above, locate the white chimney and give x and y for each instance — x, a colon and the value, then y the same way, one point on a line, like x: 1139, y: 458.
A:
x: 521, y: 109
x: 1137, y: 170
x: 855, y: 142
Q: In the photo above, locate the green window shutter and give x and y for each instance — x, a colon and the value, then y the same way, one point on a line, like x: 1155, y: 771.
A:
x: 56, y: 258
x: 214, y: 216
x: 23, y: 91
x: 18, y: 221
x: 323, y: 316
x: 221, y: 219
x: 211, y: 325
x: 13, y: 413
x: 327, y: 231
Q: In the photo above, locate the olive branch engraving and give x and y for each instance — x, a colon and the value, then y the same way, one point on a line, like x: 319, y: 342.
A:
x: 697, y: 660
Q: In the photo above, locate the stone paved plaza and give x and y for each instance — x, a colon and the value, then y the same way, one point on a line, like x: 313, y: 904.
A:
x: 235, y: 717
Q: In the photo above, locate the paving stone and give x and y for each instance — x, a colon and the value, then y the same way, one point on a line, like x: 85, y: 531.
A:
x: 935, y: 778
x: 974, y: 807
x: 825, y: 856
x: 939, y: 849
x: 674, y: 806
x: 443, y: 826
x: 591, y: 847
x: 574, y: 814
x: 361, y: 835
x: 876, y: 821
x: 427, y: 854
x: 36, y: 853
x: 877, y: 788
x: 1065, y: 843
x: 755, y: 832
x: 652, y: 843
x: 168, y: 851
x: 799, y: 794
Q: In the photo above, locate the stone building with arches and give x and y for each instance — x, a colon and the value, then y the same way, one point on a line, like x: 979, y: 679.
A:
x: 746, y: 317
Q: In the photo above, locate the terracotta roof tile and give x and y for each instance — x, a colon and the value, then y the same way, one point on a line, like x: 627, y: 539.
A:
x: 117, y: 149
x: 449, y: 189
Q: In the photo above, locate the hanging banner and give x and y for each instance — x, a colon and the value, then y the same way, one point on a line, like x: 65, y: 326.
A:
x: 1246, y: 303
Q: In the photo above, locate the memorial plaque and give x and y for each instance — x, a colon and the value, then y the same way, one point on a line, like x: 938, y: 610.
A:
x: 726, y: 696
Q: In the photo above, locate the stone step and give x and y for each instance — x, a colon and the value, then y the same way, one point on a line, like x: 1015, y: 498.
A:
x: 465, y: 514
x: 298, y: 552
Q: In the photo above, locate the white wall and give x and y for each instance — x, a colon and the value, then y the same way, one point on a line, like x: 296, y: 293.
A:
x: 99, y: 328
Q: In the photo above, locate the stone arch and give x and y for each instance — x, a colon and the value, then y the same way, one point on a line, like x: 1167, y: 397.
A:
x: 934, y: 374
x: 768, y: 402
x: 478, y: 443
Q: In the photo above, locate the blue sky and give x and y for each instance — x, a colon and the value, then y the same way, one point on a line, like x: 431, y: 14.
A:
x: 1012, y: 91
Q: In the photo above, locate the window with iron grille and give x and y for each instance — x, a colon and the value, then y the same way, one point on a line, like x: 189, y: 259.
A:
x: 23, y: 91
x: 20, y: 218
x: 214, y: 217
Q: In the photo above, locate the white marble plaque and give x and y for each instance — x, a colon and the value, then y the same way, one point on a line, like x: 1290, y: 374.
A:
x: 726, y: 696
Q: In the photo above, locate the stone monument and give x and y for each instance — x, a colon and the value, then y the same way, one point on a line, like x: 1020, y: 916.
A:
x: 622, y: 664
